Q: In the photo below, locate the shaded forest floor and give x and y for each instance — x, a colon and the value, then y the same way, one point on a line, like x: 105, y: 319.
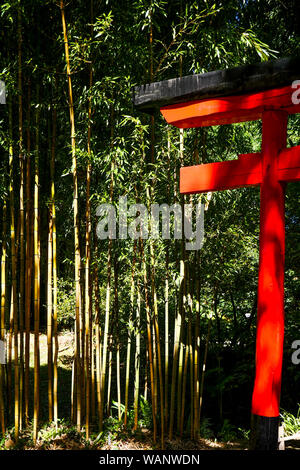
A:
x: 67, y: 438
x: 114, y: 436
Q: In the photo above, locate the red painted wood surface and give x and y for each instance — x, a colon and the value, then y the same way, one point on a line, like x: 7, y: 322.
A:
x: 289, y: 164
x: 229, y: 109
x: 270, y: 312
x: 246, y: 171
x: 270, y: 169
x: 221, y: 175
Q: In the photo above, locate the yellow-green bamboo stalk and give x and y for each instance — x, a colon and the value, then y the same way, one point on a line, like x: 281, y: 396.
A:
x: 155, y: 381
x: 196, y: 360
x: 2, y: 317
x: 204, y: 369
x: 36, y: 244
x: 105, y: 335
x: 185, y: 367
x: 49, y: 317
x: 150, y: 197
x: 132, y: 284
x: 28, y: 262
x: 116, y: 308
x: 167, y: 337
x: 182, y: 292
x: 188, y: 357
x: 149, y: 338
x: 87, y: 267
x: 14, y: 308
x: 76, y: 221
x: 190, y: 345
x: 146, y: 376
x: 161, y: 389
x: 54, y: 266
x: 178, y: 346
x: 109, y: 375
x: 92, y: 356
x: 97, y: 333
x: 108, y: 286
x: 21, y: 215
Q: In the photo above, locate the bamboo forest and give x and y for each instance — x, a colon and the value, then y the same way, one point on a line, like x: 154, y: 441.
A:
x: 135, y: 340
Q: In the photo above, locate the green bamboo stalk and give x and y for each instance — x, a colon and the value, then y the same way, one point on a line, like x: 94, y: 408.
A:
x: 49, y: 317
x: 14, y: 308
x: 29, y: 256
x: 137, y: 357
x: 203, y: 370
x: 78, y: 319
x: 54, y: 264
x: 21, y: 216
x: 132, y: 284
x: 3, y: 305
x: 196, y: 360
x: 149, y: 338
x: 36, y: 243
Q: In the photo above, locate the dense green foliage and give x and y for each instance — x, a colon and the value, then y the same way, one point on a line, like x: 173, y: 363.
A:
x: 188, y: 37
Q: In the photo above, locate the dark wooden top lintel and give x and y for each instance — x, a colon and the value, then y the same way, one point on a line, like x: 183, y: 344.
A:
x: 227, y: 82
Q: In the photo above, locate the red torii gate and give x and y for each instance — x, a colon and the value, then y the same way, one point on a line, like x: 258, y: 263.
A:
x: 272, y: 168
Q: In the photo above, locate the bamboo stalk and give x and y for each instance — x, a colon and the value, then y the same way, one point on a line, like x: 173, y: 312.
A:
x: 137, y: 358
x: 108, y: 404
x: 116, y: 308
x: 156, y: 336
x: 178, y: 345
x: 196, y: 362
x: 188, y: 359
x: 54, y: 264
x: 119, y: 382
x: 167, y: 294
x: 155, y: 381
x: 161, y: 391
x: 185, y: 367
x: 182, y: 348
x: 132, y: 284
x: 49, y: 316
x: 3, y: 305
x: 9, y: 352
x: 92, y: 356
x: 28, y: 261
x: 36, y: 244
x: 76, y: 221
x: 177, y: 334
x: 182, y: 292
x: 14, y: 310
x: 191, y: 359
x: 97, y: 333
x: 203, y: 370
x: 146, y: 376
x: 87, y: 266
x: 21, y: 215
x: 149, y: 338
x: 167, y: 336
x: 108, y: 286
x: 105, y: 335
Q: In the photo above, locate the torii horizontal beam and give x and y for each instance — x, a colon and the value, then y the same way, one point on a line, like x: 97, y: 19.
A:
x: 246, y: 171
x: 230, y: 109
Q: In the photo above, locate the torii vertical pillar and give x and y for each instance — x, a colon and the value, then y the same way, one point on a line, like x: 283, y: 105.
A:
x: 261, y: 91
x: 270, y: 302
